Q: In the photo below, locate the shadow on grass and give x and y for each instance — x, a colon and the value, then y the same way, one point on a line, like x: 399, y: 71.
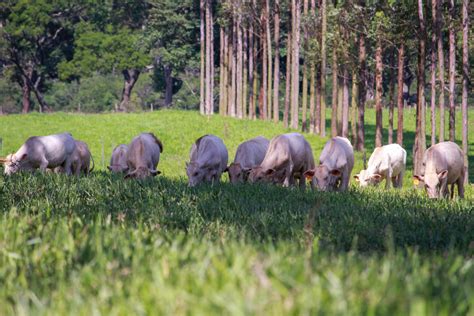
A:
x: 360, y: 219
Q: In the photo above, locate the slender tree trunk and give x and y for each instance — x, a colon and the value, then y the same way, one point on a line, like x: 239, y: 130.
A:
x: 295, y: 76
x: 452, y: 72
x: 26, y: 99
x: 233, y: 70
x: 223, y: 84
x: 433, y: 74
x: 288, y: 77
x: 439, y: 27
x: 355, y: 92
x: 208, y: 79
x: 203, y: 58
x: 269, y: 60
x: 276, y: 78
x: 362, y: 94
x: 168, y: 86
x: 420, y: 141
x: 322, y: 98
x: 313, y: 113
x: 264, y: 80
x: 130, y: 78
x: 252, y: 71
x: 378, y: 93
x: 239, y: 63
x: 401, y: 68
x: 334, y: 94
x: 465, y: 83
x: 304, y: 126
x: 211, y: 79
x: 340, y: 104
x: 245, y: 75
x: 393, y: 79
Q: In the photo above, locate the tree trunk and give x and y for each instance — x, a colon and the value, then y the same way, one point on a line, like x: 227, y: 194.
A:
x: 362, y: 94
x: 322, y: 98
x: 452, y: 72
x: 208, y: 80
x: 269, y: 60
x: 276, y: 78
x: 439, y: 27
x: 465, y: 85
x: 168, y: 86
x: 202, y: 96
x: 304, y: 126
x: 264, y: 80
x: 233, y: 70
x: 295, y: 76
x: 334, y: 94
x: 252, y: 71
x: 239, y: 63
x: 392, y: 97
x: 340, y: 104
x: 378, y: 93
x: 288, y: 77
x: 26, y: 99
x: 223, y: 73
x: 420, y: 141
x: 211, y: 79
x: 355, y: 92
x: 130, y: 78
x: 313, y: 113
x: 245, y: 75
x: 433, y: 75
x: 401, y: 68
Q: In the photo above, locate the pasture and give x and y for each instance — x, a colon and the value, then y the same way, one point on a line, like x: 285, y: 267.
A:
x: 103, y: 245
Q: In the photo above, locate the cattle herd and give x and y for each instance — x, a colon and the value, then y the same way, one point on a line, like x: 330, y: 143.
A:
x: 286, y: 159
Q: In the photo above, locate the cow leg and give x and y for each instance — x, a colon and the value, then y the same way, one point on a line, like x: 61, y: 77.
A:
x: 400, y: 178
x: 461, y: 187
x: 44, y: 165
x: 345, y: 182
x: 388, y: 178
x: 68, y: 166
x: 302, y: 182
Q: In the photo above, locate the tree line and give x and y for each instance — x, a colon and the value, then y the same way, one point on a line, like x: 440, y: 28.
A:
x: 293, y: 61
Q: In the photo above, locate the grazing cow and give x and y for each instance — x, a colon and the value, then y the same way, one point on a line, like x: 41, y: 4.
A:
x: 287, y: 158
x: 143, y: 156
x: 208, y: 160
x: 42, y: 152
x: 118, y: 161
x: 335, y: 165
x: 249, y: 155
x: 81, y: 160
x: 443, y: 165
x: 387, y: 162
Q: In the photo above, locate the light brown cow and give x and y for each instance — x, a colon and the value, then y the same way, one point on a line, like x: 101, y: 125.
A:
x: 287, y: 158
x: 335, y: 165
x: 443, y: 165
x: 42, y: 152
x: 143, y: 156
x: 208, y: 160
x: 118, y: 161
x: 249, y: 155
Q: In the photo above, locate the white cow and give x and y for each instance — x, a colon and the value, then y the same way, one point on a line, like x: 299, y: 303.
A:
x: 249, y: 155
x: 387, y: 162
x: 143, y: 156
x: 42, y: 152
x: 208, y: 160
x: 118, y: 161
x: 335, y: 165
x: 287, y: 158
x: 443, y: 165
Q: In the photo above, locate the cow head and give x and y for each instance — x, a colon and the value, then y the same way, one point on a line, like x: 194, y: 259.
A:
x: 142, y: 173
x: 117, y: 168
x: 435, y: 183
x: 13, y: 163
x: 237, y: 174
x: 197, y: 174
x: 365, y: 179
x: 326, y: 179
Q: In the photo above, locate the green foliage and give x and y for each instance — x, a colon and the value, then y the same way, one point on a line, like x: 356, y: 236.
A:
x: 100, y: 244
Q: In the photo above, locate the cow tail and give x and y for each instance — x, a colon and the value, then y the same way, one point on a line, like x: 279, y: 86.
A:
x: 93, y: 164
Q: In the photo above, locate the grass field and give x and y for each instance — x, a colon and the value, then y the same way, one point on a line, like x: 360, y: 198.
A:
x: 102, y: 245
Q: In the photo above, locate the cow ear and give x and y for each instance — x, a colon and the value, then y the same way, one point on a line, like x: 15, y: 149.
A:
x: 23, y: 156
x: 356, y: 177
x: 269, y: 172
x: 309, y: 174
x: 376, y: 177
x: 443, y: 174
x: 335, y: 173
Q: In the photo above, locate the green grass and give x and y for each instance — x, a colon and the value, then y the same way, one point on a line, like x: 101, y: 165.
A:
x: 100, y: 244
